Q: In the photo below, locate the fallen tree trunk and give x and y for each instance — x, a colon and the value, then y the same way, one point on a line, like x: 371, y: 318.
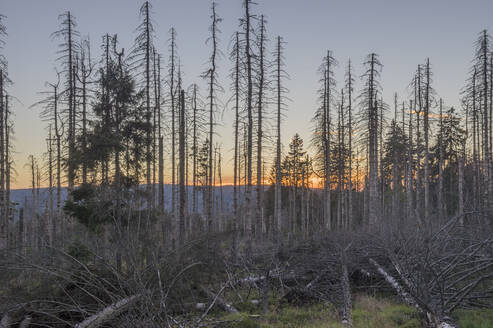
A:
x: 395, y: 285
x: 108, y: 313
x: 5, y: 322
x: 346, y: 292
x: 217, y: 299
x: 433, y: 320
x: 25, y: 322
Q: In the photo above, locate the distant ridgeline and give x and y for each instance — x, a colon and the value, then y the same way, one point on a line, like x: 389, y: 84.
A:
x: 23, y: 198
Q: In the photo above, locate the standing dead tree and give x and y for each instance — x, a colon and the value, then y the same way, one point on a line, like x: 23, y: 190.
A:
x: 280, y: 75
x: 141, y: 57
x: 369, y: 116
x: 68, y: 48
x: 212, y: 80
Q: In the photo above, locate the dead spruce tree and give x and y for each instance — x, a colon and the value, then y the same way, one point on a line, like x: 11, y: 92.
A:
x: 142, y: 57
x: 172, y: 78
x: 68, y: 49
x: 261, y: 85
x: 369, y: 117
x: 211, y: 76
x: 322, y: 135
x: 4, y: 81
x: 279, y: 75
x: 246, y: 24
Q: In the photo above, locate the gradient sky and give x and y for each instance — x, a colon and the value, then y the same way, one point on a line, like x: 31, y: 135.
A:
x: 403, y: 33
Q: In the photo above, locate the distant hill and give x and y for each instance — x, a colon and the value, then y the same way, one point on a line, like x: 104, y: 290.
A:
x: 23, y: 197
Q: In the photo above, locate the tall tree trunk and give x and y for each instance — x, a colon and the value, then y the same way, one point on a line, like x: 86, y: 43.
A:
x: 236, y: 168
x: 440, y: 166
x: 195, y: 150
x: 182, y: 169
x: 395, y: 188
x: 350, y: 145
x: 419, y: 106
x: 7, y: 165
x: 71, y: 105
x: 4, y: 221
x: 259, y: 207
x: 173, y: 128
x: 427, y: 154
x: 148, y: 104
x: 50, y: 188
x: 278, y: 200
x: 248, y: 54
x: 373, y: 145
x: 160, y: 136
x: 212, y: 84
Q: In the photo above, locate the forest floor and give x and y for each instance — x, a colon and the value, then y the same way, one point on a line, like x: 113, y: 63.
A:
x: 368, y: 312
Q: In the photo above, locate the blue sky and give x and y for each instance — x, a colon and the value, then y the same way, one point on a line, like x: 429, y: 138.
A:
x: 403, y: 33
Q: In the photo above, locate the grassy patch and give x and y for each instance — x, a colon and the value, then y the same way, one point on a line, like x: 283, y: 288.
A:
x: 368, y: 312
x: 475, y: 318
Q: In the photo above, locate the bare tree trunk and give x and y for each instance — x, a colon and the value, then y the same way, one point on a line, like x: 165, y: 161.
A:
x: 278, y: 200
x: 395, y: 188
x: 173, y: 129
x: 148, y: 105
x: 212, y: 83
x: 248, y: 54
x: 418, y: 110
x: 160, y: 136
x: 410, y: 167
x: 195, y: 150
x: 427, y: 154
x: 461, y: 187
x: 4, y: 221
x: 71, y: 105
x: 346, y: 293
x: 373, y: 145
x: 259, y: 207
x: 440, y: 166
x: 50, y: 188
x: 182, y: 169
x: 350, y: 145
x: 236, y: 168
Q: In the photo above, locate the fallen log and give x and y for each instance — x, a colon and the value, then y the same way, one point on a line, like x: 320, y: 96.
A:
x: 25, y: 322
x: 5, y: 322
x: 395, y: 285
x: 346, y: 292
x: 217, y: 299
x: 108, y: 313
x: 433, y: 319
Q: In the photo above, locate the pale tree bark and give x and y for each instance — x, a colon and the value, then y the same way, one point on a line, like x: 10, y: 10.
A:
x: 3, y: 220
x: 249, y: 100
x: 195, y: 150
x: 426, y: 132
x: 410, y: 167
x: 260, y: 109
x: 148, y: 49
x: 278, y: 200
x: 211, y: 76
x: 160, y: 138
x: 395, y: 182
x: 236, y: 166
x: 349, y: 86
x: 182, y: 169
x: 173, y: 119
x: 50, y: 188
x: 440, y: 165
x: 373, y: 142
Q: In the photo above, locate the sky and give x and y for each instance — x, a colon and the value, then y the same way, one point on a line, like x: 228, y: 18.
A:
x: 403, y: 33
